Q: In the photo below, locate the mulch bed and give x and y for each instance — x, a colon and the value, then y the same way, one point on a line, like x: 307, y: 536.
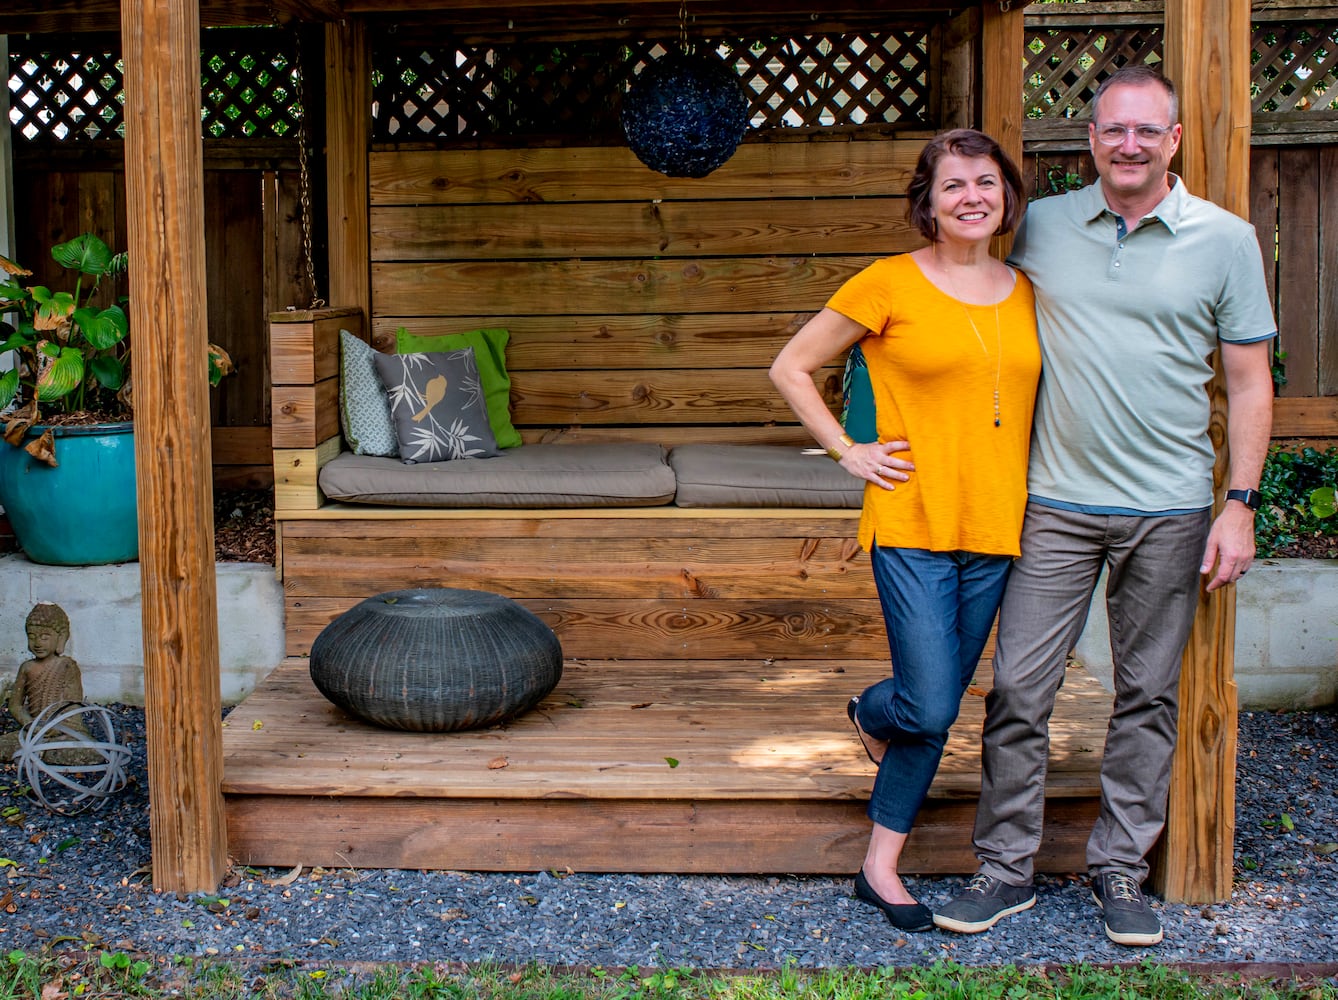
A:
x: 244, y: 526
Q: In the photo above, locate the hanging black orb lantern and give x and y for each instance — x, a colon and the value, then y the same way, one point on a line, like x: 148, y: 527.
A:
x: 685, y: 114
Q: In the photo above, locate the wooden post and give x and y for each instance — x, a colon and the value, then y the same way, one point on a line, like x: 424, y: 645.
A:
x: 348, y: 113
x: 168, y: 323
x: 1003, y: 44
x: 1208, y: 56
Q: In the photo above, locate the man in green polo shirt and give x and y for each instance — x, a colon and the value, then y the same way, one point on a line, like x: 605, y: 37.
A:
x: 1137, y: 283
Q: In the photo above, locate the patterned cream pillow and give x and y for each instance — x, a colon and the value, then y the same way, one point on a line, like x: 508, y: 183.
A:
x: 437, y: 406
x: 364, y: 412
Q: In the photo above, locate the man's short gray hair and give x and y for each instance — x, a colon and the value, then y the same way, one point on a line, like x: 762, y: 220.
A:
x: 1137, y: 75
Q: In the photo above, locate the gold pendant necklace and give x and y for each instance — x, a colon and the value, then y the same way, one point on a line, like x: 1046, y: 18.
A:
x: 998, y: 341
x: 998, y: 350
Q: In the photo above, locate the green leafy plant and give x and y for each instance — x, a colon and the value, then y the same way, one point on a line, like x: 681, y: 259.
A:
x: 1299, y: 500
x: 73, y: 351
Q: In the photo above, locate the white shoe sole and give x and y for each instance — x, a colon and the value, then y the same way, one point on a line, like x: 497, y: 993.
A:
x: 969, y: 927
x: 1133, y: 940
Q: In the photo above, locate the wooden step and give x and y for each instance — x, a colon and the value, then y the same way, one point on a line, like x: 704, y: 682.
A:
x: 629, y: 765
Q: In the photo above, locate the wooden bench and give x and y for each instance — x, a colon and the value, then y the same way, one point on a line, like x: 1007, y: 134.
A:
x: 710, y: 652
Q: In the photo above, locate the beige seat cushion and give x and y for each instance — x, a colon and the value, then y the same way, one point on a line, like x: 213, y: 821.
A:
x: 760, y: 475
x: 618, y: 474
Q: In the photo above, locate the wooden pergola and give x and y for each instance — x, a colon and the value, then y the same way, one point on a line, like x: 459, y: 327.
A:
x: 1207, y: 53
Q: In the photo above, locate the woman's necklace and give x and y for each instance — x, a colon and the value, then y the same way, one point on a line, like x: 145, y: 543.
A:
x: 998, y: 341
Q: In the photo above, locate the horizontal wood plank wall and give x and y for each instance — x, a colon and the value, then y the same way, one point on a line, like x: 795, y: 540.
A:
x: 766, y: 585
x: 640, y: 306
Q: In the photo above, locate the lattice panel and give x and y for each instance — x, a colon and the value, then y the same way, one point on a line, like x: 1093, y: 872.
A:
x: 249, y: 91
x: 65, y: 95
x: 248, y: 87
x: 1066, y: 65
x: 575, y: 88
x: 1295, y: 68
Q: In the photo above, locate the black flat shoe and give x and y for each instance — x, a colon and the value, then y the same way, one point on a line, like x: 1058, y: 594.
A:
x: 902, y: 916
x: 864, y: 738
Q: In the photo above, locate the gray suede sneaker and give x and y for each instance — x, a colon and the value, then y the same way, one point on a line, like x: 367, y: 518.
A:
x: 1129, y: 919
x: 983, y: 903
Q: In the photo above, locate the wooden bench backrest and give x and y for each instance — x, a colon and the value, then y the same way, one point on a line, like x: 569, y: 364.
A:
x: 640, y: 306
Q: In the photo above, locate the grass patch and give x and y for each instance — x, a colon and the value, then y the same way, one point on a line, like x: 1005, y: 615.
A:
x: 107, y: 975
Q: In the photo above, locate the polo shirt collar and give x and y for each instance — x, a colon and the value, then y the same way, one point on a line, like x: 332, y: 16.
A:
x: 1169, y: 211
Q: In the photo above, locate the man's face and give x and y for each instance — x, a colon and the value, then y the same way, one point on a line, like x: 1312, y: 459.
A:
x: 1130, y: 171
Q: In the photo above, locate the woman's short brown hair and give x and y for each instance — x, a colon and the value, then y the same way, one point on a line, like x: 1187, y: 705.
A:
x: 961, y: 142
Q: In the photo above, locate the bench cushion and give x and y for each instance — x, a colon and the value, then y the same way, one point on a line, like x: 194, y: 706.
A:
x: 760, y: 475
x: 616, y: 474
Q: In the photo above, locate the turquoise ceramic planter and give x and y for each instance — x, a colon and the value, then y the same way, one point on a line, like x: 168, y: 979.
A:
x: 83, y: 511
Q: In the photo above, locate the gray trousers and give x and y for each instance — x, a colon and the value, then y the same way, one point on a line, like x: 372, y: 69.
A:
x: 1151, y: 594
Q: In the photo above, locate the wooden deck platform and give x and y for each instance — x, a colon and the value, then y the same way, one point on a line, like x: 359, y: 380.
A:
x: 636, y: 765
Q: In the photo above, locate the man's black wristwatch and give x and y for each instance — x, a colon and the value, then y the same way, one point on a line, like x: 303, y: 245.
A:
x: 1250, y: 498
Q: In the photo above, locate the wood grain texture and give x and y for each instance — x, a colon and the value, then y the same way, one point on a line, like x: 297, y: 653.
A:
x: 642, y: 229
x: 877, y: 167
x: 1207, y: 50
x: 348, y: 76
x: 1327, y: 377
x: 1301, y: 417
x: 601, y: 287
x: 304, y: 415
x: 754, y: 743
x: 617, y: 340
x: 1002, y: 44
x: 168, y: 312
x: 1299, y: 261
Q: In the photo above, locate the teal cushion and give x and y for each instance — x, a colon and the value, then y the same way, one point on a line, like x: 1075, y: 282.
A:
x: 490, y: 356
x: 858, y: 416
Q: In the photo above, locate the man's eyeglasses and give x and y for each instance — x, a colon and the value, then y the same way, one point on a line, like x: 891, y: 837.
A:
x: 1110, y: 134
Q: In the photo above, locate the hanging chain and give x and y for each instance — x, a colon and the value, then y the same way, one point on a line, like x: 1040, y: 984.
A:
x: 683, y: 25
x: 304, y: 169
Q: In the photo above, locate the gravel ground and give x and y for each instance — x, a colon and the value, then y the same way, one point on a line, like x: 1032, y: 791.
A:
x: 82, y: 881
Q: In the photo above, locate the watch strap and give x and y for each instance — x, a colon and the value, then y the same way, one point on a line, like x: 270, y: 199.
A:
x: 1250, y: 498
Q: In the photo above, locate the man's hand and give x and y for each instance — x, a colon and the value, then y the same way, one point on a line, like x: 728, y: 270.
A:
x: 1230, y: 545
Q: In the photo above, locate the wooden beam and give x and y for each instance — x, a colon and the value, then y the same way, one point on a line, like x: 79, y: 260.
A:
x: 1002, y: 46
x: 1207, y: 51
x: 65, y: 16
x: 165, y: 202
x: 348, y: 125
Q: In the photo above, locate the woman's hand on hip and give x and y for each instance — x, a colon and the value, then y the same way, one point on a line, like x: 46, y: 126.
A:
x: 877, y: 463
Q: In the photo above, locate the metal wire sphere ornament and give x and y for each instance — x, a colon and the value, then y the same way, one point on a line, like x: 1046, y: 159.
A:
x: 66, y: 766
x: 685, y: 114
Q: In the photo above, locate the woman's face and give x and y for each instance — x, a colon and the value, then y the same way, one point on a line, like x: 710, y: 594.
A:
x: 967, y: 198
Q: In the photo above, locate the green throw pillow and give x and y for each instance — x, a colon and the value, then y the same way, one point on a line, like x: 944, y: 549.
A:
x: 490, y: 355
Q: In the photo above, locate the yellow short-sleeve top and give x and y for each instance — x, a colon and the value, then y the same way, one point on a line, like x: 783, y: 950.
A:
x: 934, y: 378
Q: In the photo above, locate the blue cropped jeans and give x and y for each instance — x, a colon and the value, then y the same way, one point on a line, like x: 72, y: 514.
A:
x: 938, y: 607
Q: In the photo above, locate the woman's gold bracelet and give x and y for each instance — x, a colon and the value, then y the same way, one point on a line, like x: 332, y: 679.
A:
x: 844, y: 439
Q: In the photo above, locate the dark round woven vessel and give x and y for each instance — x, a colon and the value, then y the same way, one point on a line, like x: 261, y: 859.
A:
x: 685, y: 114
x: 436, y: 660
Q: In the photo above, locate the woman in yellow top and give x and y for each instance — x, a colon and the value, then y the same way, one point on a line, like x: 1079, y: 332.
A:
x: 949, y: 334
